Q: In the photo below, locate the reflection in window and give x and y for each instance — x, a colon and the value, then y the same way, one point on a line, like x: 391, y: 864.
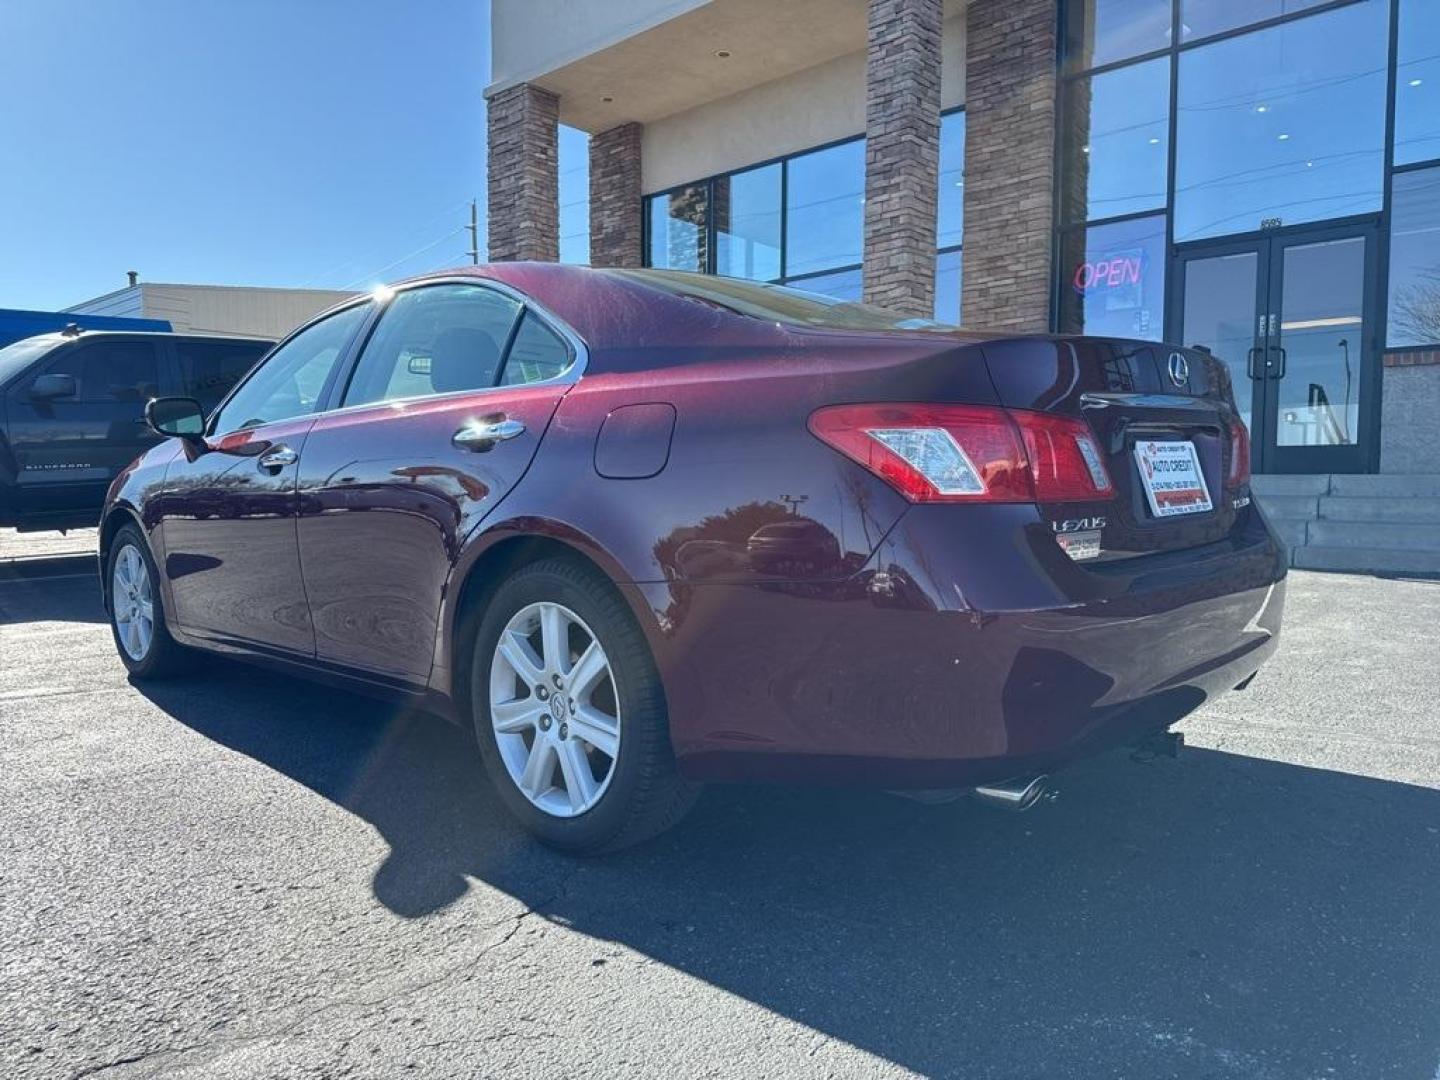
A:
x: 824, y: 206
x: 1114, y: 280
x: 1103, y: 31
x: 746, y: 207
x: 678, y: 238
x: 1201, y: 18
x: 1117, y: 136
x: 843, y: 285
x: 1417, y: 83
x: 1415, y: 259
x: 1285, y: 124
x: 947, y: 287
x: 1322, y: 334
x: 951, y: 198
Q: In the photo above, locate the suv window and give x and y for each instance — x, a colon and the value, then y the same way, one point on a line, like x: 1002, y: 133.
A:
x: 438, y: 339
x: 111, y: 371
x: 539, y: 353
x: 292, y: 378
x: 208, y: 369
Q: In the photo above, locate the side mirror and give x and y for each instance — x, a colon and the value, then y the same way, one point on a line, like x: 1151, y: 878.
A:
x: 176, y: 417
x: 47, y: 387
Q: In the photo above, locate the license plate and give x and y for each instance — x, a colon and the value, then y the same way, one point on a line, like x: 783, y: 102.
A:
x: 1174, y: 484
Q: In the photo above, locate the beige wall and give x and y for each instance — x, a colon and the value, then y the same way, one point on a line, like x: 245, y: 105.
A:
x: 819, y: 105
x: 201, y: 309
x: 531, y: 37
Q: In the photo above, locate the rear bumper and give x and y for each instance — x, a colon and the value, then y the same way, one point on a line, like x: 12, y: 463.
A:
x: 901, y: 678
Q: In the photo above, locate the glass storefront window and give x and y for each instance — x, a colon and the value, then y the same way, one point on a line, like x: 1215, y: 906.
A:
x: 1284, y: 125
x: 1117, y: 141
x: 746, y: 209
x: 1415, y: 259
x: 1417, y: 83
x: 1104, y: 31
x: 950, y: 229
x: 1114, y: 280
x: 1201, y: 18
x: 947, y: 286
x: 678, y: 235
x: 842, y: 285
x: 824, y: 208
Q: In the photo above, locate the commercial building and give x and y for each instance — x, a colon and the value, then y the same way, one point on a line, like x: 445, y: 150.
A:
x: 18, y: 323
x: 214, y: 309
x: 1260, y: 177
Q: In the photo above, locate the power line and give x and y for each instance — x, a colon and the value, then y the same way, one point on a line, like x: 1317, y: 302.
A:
x: 370, y: 277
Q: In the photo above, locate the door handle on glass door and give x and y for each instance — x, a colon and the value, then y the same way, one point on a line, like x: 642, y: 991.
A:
x: 1277, y: 371
x: 481, y: 435
x: 1257, y: 353
x: 277, y: 459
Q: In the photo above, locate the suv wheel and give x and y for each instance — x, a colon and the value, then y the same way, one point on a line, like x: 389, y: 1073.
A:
x: 570, y: 714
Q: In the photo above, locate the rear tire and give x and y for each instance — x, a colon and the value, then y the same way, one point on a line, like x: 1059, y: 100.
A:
x: 137, y: 612
x: 565, y: 709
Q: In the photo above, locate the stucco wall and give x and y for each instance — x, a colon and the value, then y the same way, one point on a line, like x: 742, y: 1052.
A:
x: 820, y: 104
x: 1410, y: 419
x: 532, y: 36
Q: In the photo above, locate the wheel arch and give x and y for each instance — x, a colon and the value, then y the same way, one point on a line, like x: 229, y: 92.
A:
x: 491, y: 558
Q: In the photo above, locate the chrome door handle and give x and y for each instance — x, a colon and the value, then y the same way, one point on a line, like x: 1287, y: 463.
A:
x: 278, y: 458
x: 481, y: 435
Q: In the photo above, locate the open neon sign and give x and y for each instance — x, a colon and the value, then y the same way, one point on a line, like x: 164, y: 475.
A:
x: 1123, y: 271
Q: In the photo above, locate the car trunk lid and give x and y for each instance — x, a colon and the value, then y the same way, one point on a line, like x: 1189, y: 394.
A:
x: 1145, y: 403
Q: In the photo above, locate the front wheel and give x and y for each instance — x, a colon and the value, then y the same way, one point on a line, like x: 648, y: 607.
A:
x: 570, y: 713
x: 137, y: 614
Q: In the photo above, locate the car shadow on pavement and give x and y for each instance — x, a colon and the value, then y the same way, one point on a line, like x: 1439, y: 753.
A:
x: 51, y: 590
x: 1248, y: 917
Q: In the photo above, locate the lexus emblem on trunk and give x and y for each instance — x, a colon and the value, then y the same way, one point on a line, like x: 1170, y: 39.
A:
x: 1179, y: 369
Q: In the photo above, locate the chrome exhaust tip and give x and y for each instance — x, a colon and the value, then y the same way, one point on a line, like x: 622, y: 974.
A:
x: 1019, y: 793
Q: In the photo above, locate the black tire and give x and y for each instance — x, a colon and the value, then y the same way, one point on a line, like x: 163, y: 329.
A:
x: 646, y: 794
x: 165, y: 657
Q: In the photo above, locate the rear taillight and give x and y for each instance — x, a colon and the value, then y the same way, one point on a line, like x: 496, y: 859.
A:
x: 969, y: 453
x: 1239, y: 455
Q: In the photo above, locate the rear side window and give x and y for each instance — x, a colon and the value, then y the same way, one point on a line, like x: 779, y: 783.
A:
x: 293, y: 377
x: 111, y: 371
x: 537, y: 354
x: 208, y: 369
x: 439, y: 339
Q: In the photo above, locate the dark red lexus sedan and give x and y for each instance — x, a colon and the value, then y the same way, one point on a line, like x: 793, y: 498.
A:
x: 644, y: 529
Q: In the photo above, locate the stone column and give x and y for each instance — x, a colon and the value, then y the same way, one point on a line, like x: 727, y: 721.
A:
x: 616, y: 214
x: 524, y: 174
x: 902, y: 153
x: 1010, y: 58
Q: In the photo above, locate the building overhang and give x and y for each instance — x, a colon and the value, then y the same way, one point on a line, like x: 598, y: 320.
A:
x: 705, y: 52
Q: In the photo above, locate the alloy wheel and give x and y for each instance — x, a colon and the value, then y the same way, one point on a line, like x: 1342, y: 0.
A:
x: 132, y: 602
x: 555, y: 709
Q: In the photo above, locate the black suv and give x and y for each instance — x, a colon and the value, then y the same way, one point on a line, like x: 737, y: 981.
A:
x: 72, y: 405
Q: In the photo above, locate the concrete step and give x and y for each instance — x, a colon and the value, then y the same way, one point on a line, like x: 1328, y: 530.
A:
x: 1275, y: 484
x: 1362, y: 560
x: 1292, y: 532
x: 1289, y: 507
x: 1364, y: 534
x: 1417, y: 510
x: 1386, y: 485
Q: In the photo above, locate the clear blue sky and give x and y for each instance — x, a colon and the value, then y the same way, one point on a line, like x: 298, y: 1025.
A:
x: 244, y: 142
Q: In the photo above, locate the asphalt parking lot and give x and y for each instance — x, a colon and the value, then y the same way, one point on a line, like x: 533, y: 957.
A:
x: 242, y: 875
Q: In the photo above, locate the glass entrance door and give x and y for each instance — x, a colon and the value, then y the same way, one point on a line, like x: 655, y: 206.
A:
x: 1291, y: 316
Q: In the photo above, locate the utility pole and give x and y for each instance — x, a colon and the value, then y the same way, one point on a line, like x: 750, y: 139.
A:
x: 474, y: 228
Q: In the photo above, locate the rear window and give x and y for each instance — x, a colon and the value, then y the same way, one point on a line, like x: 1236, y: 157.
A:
x: 208, y: 369
x: 778, y: 303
